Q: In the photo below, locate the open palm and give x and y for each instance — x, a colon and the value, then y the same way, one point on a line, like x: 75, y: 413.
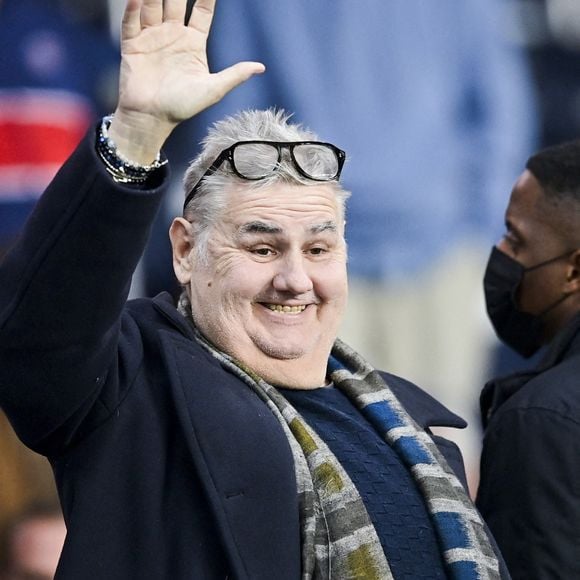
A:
x: 164, y: 76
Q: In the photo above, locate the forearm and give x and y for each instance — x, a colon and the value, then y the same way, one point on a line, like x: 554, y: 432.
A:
x: 78, y: 251
x: 63, y: 286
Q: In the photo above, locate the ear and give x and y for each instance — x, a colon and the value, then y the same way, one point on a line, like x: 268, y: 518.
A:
x: 181, y: 242
x: 572, y: 284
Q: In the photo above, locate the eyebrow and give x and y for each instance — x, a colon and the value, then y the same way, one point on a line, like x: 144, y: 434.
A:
x: 328, y: 226
x: 259, y: 227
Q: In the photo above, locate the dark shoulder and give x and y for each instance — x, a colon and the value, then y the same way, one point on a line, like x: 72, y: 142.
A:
x: 556, y: 390
x: 144, y: 318
x: 159, y: 312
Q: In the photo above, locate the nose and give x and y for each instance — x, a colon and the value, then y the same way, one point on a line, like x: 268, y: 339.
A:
x: 292, y: 276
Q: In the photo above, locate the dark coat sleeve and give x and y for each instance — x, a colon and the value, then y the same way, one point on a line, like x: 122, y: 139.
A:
x: 529, y: 492
x: 62, y: 290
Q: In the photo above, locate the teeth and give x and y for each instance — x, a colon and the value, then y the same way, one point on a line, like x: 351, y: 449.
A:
x: 289, y: 309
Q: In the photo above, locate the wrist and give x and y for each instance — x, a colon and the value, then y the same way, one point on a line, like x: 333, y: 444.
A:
x: 138, y: 136
x: 121, y: 168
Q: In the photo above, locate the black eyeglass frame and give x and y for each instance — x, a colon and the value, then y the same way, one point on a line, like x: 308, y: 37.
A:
x: 228, y: 155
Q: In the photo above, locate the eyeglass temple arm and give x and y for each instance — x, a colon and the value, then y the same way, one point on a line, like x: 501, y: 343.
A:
x: 225, y: 154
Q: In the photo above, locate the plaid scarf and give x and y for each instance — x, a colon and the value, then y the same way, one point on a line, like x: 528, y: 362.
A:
x: 338, y: 538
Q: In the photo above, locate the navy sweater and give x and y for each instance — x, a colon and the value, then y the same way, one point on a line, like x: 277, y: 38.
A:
x: 393, y: 501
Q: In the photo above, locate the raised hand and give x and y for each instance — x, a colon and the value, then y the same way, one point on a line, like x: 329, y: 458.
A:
x: 164, y: 76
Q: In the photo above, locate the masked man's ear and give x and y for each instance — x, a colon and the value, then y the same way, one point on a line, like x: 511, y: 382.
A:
x: 572, y: 283
x: 182, y: 244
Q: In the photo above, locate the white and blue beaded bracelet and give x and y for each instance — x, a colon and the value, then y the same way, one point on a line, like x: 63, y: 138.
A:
x: 121, y: 169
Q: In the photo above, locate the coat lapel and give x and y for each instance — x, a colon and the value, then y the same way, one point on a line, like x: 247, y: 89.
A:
x: 243, y: 459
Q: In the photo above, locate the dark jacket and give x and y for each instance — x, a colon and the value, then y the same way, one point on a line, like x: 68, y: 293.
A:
x: 529, y: 492
x: 167, y: 465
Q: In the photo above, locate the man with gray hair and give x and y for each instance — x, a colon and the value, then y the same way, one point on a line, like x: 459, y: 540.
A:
x: 233, y: 435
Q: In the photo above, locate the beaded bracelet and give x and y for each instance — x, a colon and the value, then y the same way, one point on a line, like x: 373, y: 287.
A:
x: 121, y: 169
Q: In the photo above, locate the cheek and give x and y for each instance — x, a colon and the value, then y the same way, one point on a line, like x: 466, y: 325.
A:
x: 331, y: 281
x: 237, y: 279
x: 225, y: 264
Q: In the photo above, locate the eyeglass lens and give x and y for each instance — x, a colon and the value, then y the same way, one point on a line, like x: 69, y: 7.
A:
x: 257, y: 160
x: 317, y: 161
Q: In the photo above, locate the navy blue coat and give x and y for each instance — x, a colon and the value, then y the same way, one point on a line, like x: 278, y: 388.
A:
x: 167, y: 465
x: 529, y: 491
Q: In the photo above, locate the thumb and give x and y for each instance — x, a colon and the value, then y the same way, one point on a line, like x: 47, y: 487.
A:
x: 229, y: 78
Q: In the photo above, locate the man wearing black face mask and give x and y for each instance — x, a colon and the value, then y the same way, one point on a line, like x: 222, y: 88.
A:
x: 529, y: 491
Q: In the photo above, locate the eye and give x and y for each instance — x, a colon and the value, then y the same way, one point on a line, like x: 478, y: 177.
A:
x: 263, y: 251
x: 317, y: 251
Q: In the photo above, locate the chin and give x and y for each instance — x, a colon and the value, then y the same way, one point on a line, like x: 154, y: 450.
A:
x: 280, y: 350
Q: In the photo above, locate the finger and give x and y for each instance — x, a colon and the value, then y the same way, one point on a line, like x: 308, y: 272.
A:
x: 229, y: 78
x: 131, y: 25
x: 151, y: 13
x: 174, y: 11
x: 202, y: 15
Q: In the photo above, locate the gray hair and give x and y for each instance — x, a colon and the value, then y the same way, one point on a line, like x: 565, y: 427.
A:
x: 204, y: 209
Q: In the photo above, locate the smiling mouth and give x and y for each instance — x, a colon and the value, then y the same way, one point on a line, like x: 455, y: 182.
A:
x: 285, y: 309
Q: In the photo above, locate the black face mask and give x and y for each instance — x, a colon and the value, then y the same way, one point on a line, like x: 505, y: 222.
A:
x: 521, y: 331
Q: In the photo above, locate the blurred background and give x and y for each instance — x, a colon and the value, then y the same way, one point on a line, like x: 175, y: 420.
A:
x: 438, y: 106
